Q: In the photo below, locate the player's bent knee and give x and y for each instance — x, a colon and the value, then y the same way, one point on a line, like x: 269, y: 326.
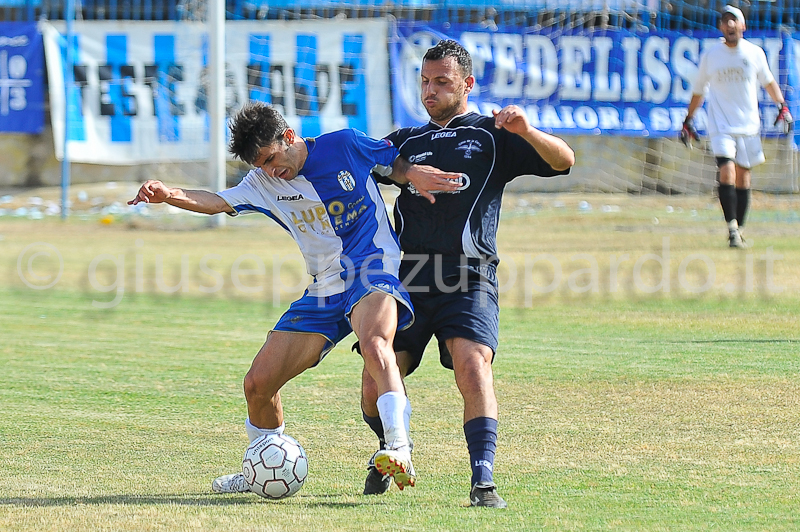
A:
x: 250, y: 386
x: 376, y: 348
x: 475, y: 372
x: 257, y: 386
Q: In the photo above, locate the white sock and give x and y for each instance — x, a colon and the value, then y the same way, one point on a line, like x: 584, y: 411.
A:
x: 733, y: 225
x: 254, y: 432
x: 407, y: 418
x: 392, y: 407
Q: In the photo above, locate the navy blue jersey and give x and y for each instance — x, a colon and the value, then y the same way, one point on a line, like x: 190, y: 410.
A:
x: 463, y: 223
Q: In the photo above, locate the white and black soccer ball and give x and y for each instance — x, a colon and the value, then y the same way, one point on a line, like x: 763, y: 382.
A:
x: 275, y: 466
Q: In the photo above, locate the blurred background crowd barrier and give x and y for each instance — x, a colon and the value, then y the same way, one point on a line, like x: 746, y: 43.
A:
x: 613, y: 77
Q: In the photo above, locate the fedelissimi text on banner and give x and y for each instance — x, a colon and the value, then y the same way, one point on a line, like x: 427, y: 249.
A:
x: 581, y: 81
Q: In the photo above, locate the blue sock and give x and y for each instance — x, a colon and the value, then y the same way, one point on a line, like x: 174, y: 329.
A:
x: 377, y: 427
x: 481, y: 434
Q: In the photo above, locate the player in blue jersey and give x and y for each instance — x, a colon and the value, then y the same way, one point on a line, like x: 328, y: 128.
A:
x: 450, y: 256
x: 321, y: 191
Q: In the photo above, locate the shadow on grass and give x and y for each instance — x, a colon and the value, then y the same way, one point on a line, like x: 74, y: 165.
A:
x: 188, y: 499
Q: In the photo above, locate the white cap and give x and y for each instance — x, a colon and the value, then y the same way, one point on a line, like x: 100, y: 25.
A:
x: 735, y: 11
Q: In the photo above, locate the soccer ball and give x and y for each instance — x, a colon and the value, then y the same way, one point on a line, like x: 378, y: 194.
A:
x: 275, y: 466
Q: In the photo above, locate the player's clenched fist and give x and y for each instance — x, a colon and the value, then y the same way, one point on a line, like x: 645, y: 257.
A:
x: 785, y: 117
x: 512, y: 118
x: 688, y: 132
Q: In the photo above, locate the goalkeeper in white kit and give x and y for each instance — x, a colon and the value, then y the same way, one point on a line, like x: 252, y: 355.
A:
x: 728, y: 78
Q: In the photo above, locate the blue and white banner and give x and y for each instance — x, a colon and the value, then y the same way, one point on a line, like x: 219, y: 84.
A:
x: 21, y: 78
x: 591, y: 82
x: 140, y: 87
x: 791, y: 45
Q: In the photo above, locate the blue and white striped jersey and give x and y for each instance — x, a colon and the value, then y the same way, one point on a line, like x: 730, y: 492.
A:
x: 333, y: 209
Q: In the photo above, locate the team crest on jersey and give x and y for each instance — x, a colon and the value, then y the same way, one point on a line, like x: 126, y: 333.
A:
x: 346, y: 180
x: 469, y: 146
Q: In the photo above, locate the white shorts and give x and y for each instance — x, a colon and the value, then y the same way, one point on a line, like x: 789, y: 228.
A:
x: 744, y: 150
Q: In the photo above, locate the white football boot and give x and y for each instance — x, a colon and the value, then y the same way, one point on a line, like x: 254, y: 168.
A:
x: 397, y: 464
x: 233, y: 483
x: 735, y: 239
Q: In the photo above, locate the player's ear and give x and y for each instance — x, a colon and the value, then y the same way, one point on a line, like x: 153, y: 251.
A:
x: 470, y: 81
x: 289, y: 136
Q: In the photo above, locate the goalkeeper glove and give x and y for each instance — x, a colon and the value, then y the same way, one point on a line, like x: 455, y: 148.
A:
x: 786, y: 117
x: 688, y: 132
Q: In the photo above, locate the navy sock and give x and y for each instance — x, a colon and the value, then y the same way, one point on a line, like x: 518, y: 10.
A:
x: 742, y: 205
x: 481, y: 434
x: 727, y: 198
x: 377, y: 427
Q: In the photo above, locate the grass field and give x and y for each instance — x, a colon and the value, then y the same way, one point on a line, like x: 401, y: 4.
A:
x: 638, y: 403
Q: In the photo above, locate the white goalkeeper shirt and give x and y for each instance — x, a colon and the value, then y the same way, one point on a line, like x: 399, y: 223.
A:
x: 730, y: 78
x: 333, y: 209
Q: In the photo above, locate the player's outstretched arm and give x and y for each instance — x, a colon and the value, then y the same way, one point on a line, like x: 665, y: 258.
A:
x: 555, y: 151
x: 202, y: 201
x: 424, y: 178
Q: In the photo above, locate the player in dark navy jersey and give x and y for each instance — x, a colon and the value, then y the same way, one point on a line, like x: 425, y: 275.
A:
x: 464, y: 223
x: 450, y: 252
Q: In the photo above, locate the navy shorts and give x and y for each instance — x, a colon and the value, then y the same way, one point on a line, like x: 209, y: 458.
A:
x: 461, y: 306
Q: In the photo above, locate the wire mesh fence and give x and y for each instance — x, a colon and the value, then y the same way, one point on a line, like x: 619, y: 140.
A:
x: 630, y: 14
x: 606, y: 163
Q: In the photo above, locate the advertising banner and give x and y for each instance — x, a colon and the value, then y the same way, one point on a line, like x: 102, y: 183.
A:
x: 21, y: 78
x: 140, y: 87
x: 791, y: 45
x: 584, y: 81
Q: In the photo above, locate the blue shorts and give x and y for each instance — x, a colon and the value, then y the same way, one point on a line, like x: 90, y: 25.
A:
x: 330, y: 315
x: 470, y: 312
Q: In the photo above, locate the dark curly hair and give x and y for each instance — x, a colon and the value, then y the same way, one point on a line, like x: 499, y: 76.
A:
x: 255, y: 126
x: 451, y: 48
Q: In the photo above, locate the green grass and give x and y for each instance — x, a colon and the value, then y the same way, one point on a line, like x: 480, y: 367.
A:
x: 659, y: 416
x: 618, y: 410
